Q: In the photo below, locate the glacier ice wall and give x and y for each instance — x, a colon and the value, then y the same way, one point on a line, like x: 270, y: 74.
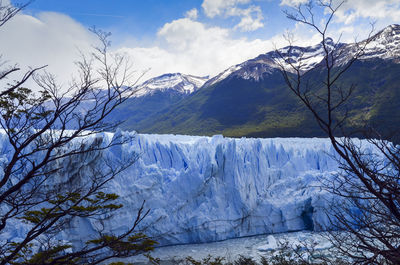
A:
x: 203, y: 189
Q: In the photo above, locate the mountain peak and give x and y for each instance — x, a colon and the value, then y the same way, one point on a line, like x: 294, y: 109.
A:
x: 267, y: 63
x: 388, y: 32
x: 328, y: 40
x: 174, y: 82
x: 393, y: 27
x: 385, y: 44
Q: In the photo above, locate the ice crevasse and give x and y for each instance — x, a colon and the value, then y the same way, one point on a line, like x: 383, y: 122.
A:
x: 204, y: 189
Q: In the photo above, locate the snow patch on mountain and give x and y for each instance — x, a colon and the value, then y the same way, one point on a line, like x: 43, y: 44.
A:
x: 264, y: 64
x: 306, y: 58
x: 180, y: 83
x: 223, y: 75
x: 383, y: 45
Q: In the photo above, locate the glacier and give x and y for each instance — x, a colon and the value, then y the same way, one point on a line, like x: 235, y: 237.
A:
x: 206, y: 189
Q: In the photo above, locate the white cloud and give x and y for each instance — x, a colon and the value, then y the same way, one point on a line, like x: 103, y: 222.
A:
x: 351, y: 10
x: 50, y: 39
x: 293, y: 3
x: 250, y: 17
x: 214, y: 8
x: 183, y: 33
x: 192, y: 14
x: 193, y: 48
x: 352, y: 19
x: 183, y: 45
x: 372, y: 9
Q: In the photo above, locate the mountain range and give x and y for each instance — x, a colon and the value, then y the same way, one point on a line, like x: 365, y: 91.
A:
x: 251, y: 99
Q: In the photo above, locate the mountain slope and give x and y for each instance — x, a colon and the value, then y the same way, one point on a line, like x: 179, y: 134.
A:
x: 231, y: 107
x: 252, y: 99
x: 155, y: 95
x: 176, y: 83
x: 267, y: 108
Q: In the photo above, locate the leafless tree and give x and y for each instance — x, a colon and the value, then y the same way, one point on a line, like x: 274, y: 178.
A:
x: 53, y: 176
x: 368, y: 184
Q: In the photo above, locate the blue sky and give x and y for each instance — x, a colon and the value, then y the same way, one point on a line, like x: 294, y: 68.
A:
x: 199, y: 37
x: 143, y: 19
x: 139, y: 18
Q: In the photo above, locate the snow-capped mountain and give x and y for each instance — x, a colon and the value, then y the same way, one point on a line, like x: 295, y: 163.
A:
x: 267, y: 63
x: 383, y: 45
x: 177, y: 82
x: 153, y: 97
x: 252, y: 99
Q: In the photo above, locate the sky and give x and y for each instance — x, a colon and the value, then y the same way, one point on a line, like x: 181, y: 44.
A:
x: 198, y: 37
